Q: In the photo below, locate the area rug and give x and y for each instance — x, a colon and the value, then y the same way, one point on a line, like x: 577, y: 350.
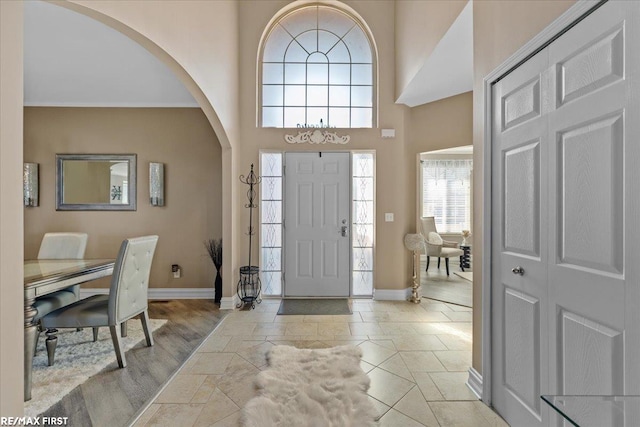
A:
x: 314, y: 388
x: 77, y: 359
x: 314, y: 306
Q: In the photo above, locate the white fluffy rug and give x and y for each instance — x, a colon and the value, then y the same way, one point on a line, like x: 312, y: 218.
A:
x: 313, y: 388
x: 77, y: 359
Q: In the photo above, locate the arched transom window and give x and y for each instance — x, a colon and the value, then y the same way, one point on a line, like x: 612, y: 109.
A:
x: 317, y: 70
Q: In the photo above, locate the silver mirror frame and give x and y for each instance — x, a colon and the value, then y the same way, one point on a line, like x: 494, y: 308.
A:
x: 131, y: 159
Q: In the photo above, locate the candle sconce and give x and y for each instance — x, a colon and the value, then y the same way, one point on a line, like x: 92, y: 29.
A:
x: 30, y: 184
x: 156, y: 184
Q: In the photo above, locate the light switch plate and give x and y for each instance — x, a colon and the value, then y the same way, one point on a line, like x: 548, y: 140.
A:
x: 388, y: 217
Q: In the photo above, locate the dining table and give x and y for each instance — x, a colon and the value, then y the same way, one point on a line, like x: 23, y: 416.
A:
x: 44, y: 276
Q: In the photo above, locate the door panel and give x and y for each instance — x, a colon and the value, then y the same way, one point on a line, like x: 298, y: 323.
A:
x: 519, y: 240
x: 579, y: 293
x: 317, y: 206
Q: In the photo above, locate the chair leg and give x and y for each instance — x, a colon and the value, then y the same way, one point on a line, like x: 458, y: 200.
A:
x: 446, y: 263
x: 123, y: 329
x: 426, y: 269
x: 122, y: 362
x: 438, y: 262
x: 144, y: 318
x: 52, y: 343
x: 95, y: 334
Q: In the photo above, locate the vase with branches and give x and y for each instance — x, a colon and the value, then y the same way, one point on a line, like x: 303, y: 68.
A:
x: 214, y: 248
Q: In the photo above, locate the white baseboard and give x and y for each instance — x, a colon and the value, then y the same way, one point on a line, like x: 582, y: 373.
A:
x: 229, y: 303
x: 160, y: 293
x: 391, y: 294
x: 475, y: 382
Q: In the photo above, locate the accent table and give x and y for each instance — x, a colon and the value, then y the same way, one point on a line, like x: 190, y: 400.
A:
x: 596, y: 411
x: 42, y: 277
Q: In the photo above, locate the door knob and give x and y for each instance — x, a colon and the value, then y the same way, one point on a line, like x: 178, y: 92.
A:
x: 343, y: 231
x: 518, y: 270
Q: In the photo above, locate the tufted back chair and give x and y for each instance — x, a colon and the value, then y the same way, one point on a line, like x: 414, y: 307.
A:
x: 127, y: 299
x: 130, y: 280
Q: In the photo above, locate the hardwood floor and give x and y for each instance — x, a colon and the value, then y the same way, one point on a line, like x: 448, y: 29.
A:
x: 438, y: 286
x: 114, y: 396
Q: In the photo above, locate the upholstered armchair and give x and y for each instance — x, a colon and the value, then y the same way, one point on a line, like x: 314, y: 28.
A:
x: 436, y: 246
x: 127, y: 299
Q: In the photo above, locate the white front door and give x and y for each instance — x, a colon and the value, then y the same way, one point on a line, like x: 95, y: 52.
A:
x: 316, y: 225
x: 566, y: 221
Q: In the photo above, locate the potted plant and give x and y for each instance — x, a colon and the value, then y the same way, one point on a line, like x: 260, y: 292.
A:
x: 214, y: 248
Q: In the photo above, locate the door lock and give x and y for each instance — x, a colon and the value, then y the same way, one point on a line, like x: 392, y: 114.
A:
x: 343, y: 231
x: 518, y: 270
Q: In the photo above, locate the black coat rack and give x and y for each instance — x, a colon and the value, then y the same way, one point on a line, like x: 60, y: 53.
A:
x: 249, y: 286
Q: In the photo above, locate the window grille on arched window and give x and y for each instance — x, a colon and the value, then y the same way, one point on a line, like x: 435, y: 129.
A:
x: 317, y: 70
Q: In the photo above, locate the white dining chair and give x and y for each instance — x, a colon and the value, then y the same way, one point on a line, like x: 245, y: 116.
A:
x: 127, y: 299
x: 60, y: 246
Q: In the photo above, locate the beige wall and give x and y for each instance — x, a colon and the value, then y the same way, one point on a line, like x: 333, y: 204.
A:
x: 441, y: 124
x: 11, y: 243
x: 181, y: 138
x: 392, y: 260
x: 500, y: 28
x: 419, y: 27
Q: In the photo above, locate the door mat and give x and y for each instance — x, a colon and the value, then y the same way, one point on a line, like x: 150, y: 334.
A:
x: 314, y: 306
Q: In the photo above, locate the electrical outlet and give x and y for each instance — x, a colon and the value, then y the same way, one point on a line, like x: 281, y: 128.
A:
x: 177, y: 272
x: 388, y: 217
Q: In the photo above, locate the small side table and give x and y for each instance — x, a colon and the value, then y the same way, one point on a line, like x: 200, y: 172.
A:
x: 465, y: 258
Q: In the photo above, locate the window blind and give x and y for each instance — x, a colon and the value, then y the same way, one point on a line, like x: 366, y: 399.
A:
x: 446, y: 193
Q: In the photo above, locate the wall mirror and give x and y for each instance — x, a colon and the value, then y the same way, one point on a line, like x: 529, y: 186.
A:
x: 96, y: 182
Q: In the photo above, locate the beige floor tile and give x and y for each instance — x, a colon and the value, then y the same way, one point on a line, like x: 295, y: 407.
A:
x: 458, y: 414
x: 394, y: 418
x: 181, y: 389
x: 218, y: 408
x: 238, y: 381
x: 397, y: 328
x: 270, y: 329
x: 318, y: 318
x: 387, y: 387
x: 375, y: 316
x: 491, y: 416
x: 455, y: 360
x: 237, y: 328
x: 257, y: 355
x: 290, y: 318
x: 395, y: 364
x: 406, y: 317
x: 459, y: 316
x: 303, y: 328
x: 380, y: 408
x: 422, y: 361
x: 435, y: 306
x: 374, y: 353
x: 146, y: 415
x: 454, y: 342
x: 209, y: 363
x: 365, y: 328
x: 456, y: 307
x: 206, y: 389
x: 243, y: 343
x: 415, y: 407
x: 333, y: 328
x: 433, y: 316
x: 386, y: 342
x: 343, y: 340
x: 348, y: 318
x: 453, y: 385
x: 171, y: 415
x: 232, y: 420
x: 366, y: 367
x: 427, y: 387
x: 420, y: 342
x: 215, y: 343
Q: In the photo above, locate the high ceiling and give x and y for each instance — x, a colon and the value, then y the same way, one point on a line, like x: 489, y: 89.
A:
x: 73, y: 60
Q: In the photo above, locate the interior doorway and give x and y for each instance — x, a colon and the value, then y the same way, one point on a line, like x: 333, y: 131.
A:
x: 445, y: 189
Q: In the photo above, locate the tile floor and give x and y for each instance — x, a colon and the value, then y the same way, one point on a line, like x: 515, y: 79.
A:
x: 417, y: 356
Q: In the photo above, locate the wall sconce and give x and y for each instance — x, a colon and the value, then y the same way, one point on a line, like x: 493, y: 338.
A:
x: 30, y: 184
x: 156, y: 184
